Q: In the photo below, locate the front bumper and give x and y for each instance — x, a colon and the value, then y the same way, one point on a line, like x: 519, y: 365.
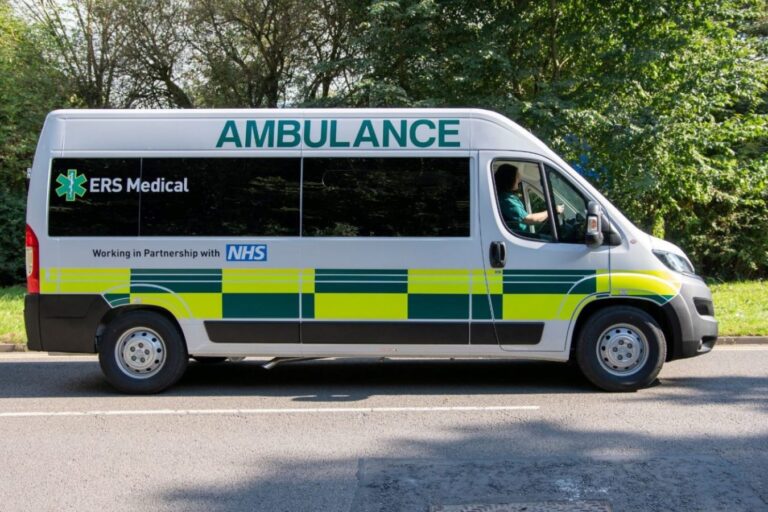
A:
x: 692, y: 320
x: 63, y: 322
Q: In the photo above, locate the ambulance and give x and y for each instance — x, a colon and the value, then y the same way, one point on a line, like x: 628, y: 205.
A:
x: 158, y: 236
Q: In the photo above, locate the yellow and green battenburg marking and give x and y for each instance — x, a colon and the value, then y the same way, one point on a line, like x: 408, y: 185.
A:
x: 360, y: 294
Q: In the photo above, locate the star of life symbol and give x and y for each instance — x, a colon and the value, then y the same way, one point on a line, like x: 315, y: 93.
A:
x: 71, y: 185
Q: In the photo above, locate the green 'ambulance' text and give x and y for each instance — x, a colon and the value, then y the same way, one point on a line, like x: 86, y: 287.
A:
x: 316, y: 133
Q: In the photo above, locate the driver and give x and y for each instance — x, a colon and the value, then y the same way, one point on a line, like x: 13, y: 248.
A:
x: 512, y: 208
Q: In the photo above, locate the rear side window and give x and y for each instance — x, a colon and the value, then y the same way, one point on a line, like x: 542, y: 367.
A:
x: 89, y: 197
x: 250, y: 197
x: 386, y: 197
x: 230, y: 197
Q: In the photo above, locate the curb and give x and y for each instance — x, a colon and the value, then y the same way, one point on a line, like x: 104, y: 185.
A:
x: 742, y: 340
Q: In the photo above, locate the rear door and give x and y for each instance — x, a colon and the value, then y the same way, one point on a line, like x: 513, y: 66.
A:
x: 539, y: 269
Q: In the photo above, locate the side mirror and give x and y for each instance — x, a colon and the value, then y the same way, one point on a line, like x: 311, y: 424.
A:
x: 594, y: 235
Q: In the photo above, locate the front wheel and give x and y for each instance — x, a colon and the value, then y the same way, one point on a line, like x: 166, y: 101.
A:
x: 142, y: 352
x: 621, y: 348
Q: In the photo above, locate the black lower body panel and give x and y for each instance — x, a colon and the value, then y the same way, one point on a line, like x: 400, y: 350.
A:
x: 63, y: 322
x: 237, y: 331
x: 373, y: 333
x: 507, y: 333
x: 32, y: 321
x: 386, y: 333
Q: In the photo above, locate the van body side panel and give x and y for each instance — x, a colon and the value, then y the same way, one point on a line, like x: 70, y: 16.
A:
x: 313, y: 293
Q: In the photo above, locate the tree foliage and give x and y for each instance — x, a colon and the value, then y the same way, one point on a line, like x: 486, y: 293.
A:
x: 29, y: 88
x: 661, y: 104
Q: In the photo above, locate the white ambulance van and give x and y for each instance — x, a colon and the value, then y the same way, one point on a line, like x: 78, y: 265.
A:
x: 158, y: 236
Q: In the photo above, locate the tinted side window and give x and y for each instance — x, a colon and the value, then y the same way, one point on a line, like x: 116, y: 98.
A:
x: 419, y: 197
x: 89, y: 197
x: 221, y: 197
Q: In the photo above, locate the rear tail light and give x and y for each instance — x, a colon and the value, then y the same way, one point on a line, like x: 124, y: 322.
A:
x: 33, y: 261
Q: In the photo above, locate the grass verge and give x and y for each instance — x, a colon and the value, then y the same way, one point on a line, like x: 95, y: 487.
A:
x: 12, y: 315
x: 741, y: 308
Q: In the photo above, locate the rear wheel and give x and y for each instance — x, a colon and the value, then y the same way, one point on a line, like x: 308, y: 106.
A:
x: 621, y: 348
x: 142, y: 352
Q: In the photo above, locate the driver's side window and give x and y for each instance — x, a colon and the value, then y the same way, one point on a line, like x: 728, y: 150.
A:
x: 520, y: 195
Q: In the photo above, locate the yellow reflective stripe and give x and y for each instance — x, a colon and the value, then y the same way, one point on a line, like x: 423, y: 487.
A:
x: 49, y: 280
x: 495, y: 281
x: 644, y: 283
x: 361, y: 306
x: 477, y: 281
x: 531, y: 306
x: 438, y: 281
x: 308, y: 280
x: 92, y: 280
x: 603, y: 284
x: 168, y: 301
x: 540, y: 306
x: 568, y: 305
x: 203, y: 305
x: 267, y: 280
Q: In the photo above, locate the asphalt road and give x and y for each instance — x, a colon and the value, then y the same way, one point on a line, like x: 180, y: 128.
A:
x: 385, y: 436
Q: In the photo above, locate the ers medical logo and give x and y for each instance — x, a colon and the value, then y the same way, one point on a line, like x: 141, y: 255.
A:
x: 246, y: 252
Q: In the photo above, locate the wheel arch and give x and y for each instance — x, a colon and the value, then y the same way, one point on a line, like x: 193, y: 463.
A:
x: 665, y: 317
x: 114, y: 313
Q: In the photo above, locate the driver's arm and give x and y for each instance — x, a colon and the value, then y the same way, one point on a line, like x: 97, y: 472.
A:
x: 536, y: 218
x: 539, y: 217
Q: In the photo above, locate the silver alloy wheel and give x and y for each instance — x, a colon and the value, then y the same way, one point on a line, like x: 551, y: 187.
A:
x: 622, y: 350
x: 140, y: 352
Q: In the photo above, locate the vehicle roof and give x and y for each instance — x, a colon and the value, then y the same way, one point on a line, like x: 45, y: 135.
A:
x: 486, y: 129
x: 279, y: 112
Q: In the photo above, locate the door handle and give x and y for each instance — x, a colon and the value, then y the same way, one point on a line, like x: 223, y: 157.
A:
x: 498, y: 254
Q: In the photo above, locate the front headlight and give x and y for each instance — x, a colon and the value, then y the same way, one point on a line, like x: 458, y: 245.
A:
x: 675, y: 262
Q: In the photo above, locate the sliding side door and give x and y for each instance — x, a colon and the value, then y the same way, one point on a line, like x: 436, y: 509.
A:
x: 389, y: 253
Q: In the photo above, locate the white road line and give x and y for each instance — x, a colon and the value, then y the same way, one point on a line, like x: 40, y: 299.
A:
x: 302, y: 410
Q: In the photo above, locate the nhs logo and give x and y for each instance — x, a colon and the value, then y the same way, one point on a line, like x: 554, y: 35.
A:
x: 246, y: 252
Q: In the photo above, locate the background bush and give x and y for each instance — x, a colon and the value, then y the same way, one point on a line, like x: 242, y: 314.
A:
x: 11, y: 238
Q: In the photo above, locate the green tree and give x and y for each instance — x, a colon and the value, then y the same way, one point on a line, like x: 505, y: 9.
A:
x: 29, y: 88
x: 662, y: 104
x: 157, y: 53
x: 88, y: 40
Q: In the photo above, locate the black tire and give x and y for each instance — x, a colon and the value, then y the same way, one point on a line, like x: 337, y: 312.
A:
x: 160, y: 335
x: 628, y: 326
x: 209, y: 360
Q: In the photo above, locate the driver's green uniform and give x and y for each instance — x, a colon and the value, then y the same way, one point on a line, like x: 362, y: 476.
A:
x: 513, y: 210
